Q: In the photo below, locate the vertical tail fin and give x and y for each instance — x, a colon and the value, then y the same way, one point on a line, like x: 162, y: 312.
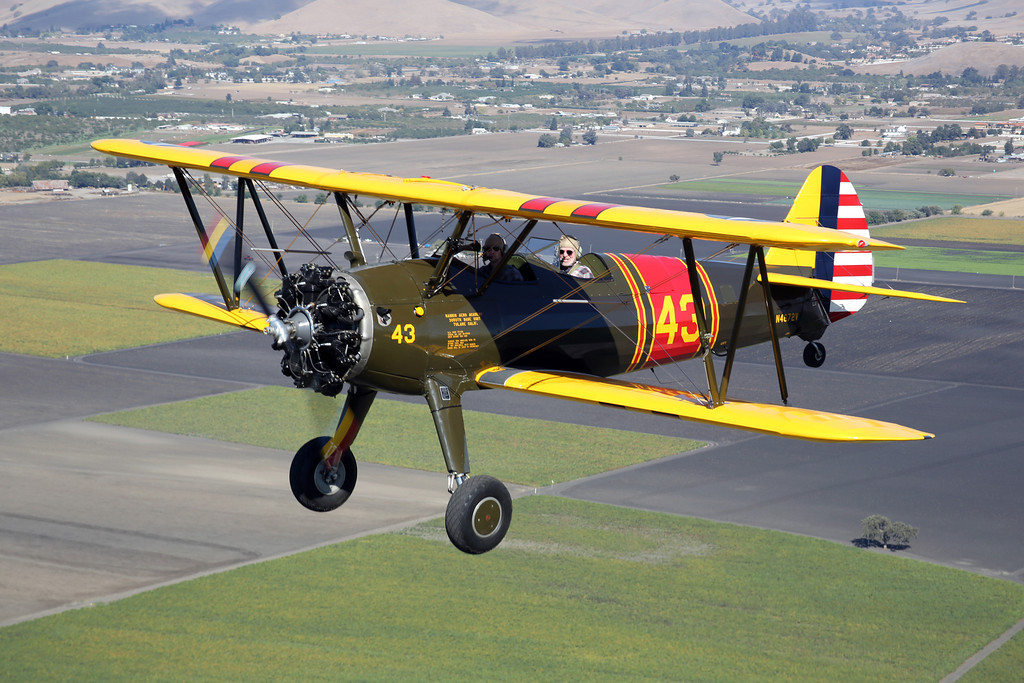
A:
x: 827, y: 199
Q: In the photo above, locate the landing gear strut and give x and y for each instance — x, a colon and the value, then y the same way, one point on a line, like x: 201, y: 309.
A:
x: 814, y: 354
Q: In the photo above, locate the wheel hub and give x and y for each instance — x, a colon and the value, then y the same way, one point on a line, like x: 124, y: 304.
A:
x: 486, y: 517
x: 325, y: 478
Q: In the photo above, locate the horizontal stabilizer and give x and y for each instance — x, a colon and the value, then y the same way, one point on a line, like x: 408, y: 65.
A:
x: 798, y: 423
x: 211, y: 306
x: 815, y: 283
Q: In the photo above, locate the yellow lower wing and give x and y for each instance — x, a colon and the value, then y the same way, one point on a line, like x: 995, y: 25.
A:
x: 212, y: 307
x: 815, y: 283
x: 798, y: 423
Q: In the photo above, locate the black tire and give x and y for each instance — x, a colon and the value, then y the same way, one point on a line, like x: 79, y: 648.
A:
x: 814, y: 355
x: 309, y: 485
x: 478, y: 515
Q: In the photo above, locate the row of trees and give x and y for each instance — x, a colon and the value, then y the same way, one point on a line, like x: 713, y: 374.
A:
x: 565, y: 138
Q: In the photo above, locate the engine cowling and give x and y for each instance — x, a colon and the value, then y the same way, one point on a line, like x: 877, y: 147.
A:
x: 319, y: 326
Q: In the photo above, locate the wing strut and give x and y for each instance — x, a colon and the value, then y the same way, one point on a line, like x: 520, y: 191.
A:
x: 718, y: 391
x: 278, y: 253
x: 410, y: 227
x: 357, y: 258
x: 230, y: 302
x: 452, y: 246
x: 717, y: 398
x: 766, y: 288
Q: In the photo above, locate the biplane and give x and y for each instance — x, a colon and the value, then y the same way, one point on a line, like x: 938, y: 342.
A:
x: 439, y: 324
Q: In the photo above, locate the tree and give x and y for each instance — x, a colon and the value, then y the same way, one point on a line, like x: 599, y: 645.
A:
x: 844, y: 132
x: 880, y: 530
x: 547, y: 140
x: 590, y: 137
x: 565, y: 137
x: 718, y: 156
x: 673, y: 178
x: 1008, y: 147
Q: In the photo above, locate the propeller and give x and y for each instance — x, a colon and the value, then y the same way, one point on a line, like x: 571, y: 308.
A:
x: 281, y: 331
x: 317, y: 324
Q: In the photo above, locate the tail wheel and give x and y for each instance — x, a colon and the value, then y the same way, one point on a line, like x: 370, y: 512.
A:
x: 814, y: 355
x: 314, y: 484
x: 478, y: 515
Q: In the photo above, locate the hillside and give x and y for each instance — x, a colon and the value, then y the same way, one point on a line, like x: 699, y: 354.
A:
x: 953, y: 59
x: 523, y: 19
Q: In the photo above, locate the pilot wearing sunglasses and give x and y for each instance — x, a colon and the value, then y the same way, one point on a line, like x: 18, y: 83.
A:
x: 569, y: 258
x: 494, y: 249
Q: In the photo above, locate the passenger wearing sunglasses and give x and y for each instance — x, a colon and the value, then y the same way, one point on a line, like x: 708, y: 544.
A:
x: 569, y: 258
x: 494, y: 249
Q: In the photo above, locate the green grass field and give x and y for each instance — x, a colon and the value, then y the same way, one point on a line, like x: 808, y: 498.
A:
x: 954, y: 260
x: 80, y: 307
x: 577, y: 589
x: 403, y: 434
x: 956, y: 229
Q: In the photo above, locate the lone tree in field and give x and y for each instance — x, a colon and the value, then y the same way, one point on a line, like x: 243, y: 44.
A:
x: 547, y: 140
x: 880, y: 530
x: 718, y: 156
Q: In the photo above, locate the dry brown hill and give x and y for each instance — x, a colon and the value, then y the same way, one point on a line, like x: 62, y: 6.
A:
x: 953, y: 59
x: 525, y: 19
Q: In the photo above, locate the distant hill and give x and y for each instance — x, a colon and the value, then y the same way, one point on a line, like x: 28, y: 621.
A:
x: 952, y: 60
x: 521, y: 19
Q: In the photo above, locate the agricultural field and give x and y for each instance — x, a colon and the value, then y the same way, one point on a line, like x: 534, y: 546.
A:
x: 619, y: 594
x: 81, y: 307
x: 403, y: 434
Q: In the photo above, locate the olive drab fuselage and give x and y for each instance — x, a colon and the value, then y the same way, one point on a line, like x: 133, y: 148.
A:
x: 638, y: 312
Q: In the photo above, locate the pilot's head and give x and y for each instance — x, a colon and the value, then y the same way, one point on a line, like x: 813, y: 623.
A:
x: 568, y: 251
x: 494, y: 247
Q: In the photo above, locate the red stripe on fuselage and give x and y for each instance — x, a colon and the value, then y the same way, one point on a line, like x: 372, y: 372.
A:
x: 640, y: 304
x: 673, y: 328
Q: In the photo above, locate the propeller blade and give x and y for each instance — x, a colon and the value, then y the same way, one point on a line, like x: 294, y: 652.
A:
x: 243, y: 280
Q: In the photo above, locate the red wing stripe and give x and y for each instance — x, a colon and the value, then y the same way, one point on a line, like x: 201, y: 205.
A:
x: 266, y: 168
x: 849, y: 200
x: 591, y: 210
x: 538, y: 204
x: 225, y: 162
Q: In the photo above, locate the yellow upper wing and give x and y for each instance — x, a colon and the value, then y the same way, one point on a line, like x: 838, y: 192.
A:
x: 498, y: 202
x: 798, y: 423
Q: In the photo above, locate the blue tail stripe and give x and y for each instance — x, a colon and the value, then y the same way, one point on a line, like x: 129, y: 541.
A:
x: 828, y: 217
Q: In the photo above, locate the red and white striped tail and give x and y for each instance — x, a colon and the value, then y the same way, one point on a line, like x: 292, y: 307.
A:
x: 848, y: 267
x: 827, y: 199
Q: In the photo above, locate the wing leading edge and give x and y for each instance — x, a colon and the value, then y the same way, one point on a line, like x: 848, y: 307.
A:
x: 498, y: 202
x: 798, y: 423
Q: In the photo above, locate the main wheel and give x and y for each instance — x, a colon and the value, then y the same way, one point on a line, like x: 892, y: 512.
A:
x: 315, y: 485
x: 478, y: 515
x: 814, y: 354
